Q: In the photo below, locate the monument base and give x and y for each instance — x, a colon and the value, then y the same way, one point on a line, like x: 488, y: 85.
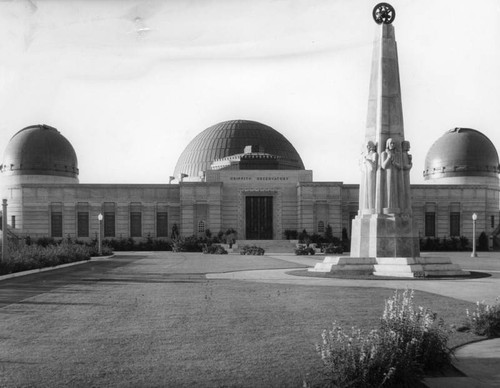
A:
x: 381, y: 235
x: 406, y: 267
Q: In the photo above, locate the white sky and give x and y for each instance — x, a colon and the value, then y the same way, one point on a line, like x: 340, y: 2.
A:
x: 131, y: 83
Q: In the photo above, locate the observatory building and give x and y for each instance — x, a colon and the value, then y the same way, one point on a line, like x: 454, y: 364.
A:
x: 240, y: 175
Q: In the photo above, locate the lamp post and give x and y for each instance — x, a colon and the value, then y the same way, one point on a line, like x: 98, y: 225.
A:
x: 99, y: 240
x: 474, y: 218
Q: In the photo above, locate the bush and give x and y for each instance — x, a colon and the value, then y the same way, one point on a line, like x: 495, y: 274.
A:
x: 435, y: 244
x: 354, y: 360
x: 291, y: 234
x: 419, y: 329
x: 409, y: 342
x: 304, y: 237
x: 37, y: 256
x: 303, y: 251
x: 214, y: 250
x: 485, y: 320
x: 45, y: 241
x: 333, y: 248
x: 482, y: 242
x: 252, y: 250
x: 188, y: 244
x: 147, y: 244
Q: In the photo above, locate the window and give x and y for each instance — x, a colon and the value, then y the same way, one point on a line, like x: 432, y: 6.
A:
x: 321, y: 227
x: 455, y: 224
x: 83, y: 224
x: 492, y: 219
x: 201, y: 227
x: 430, y: 224
x: 109, y: 224
x: 162, y: 224
x: 56, y: 224
x: 13, y: 221
x: 135, y: 224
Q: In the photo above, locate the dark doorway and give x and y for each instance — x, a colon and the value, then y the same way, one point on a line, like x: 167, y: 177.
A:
x: 259, y: 218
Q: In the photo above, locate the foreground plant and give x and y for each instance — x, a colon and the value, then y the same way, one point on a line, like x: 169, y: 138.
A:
x: 485, y: 319
x: 409, y: 342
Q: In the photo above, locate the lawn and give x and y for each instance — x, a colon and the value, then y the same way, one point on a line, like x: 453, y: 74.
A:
x: 159, y: 322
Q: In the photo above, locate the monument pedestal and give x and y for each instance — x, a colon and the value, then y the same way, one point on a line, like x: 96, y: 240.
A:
x: 380, y: 235
x: 385, y: 245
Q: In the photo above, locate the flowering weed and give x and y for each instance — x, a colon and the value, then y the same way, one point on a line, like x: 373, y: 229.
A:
x: 409, y: 342
x: 485, y: 320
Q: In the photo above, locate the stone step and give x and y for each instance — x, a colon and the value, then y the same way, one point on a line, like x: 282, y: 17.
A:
x: 391, y: 266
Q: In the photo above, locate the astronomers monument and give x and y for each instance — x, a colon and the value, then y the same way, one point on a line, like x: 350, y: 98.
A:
x: 383, y: 239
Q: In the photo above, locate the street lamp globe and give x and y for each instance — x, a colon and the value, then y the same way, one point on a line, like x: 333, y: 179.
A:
x: 99, y: 217
x: 474, y: 216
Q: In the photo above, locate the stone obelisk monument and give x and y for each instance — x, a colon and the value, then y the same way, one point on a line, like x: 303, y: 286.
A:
x: 383, y: 239
x: 384, y: 226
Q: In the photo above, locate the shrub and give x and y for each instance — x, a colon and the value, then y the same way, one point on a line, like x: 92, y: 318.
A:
x: 329, y: 234
x: 303, y: 250
x: 419, y: 329
x: 252, y: 250
x: 446, y: 244
x: 36, y: 256
x: 409, y: 342
x: 188, y: 244
x: 317, y: 239
x: 291, y: 234
x: 214, y: 250
x: 482, y: 242
x: 354, y: 360
x: 485, y: 320
x: 45, y: 241
x: 304, y: 237
x: 333, y: 248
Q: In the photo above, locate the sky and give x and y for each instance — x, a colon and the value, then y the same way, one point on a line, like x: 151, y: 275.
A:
x: 131, y: 83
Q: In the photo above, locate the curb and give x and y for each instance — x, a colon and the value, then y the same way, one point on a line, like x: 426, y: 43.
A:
x: 45, y: 269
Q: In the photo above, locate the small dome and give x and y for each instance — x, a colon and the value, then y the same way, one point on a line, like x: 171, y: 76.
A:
x: 40, y: 150
x: 462, y: 152
x: 230, y: 138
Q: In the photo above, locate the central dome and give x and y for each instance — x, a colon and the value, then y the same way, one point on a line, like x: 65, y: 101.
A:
x: 230, y: 138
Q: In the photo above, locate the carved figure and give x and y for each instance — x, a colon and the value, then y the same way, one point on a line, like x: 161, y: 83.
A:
x: 406, y: 160
x: 390, y: 164
x: 370, y: 163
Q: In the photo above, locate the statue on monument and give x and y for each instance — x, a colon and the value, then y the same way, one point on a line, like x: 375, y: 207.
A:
x: 390, y: 164
x: 370, y: 165
x: 406, y: 165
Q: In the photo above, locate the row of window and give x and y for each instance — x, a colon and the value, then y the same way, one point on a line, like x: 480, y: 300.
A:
x: 430, y: 224
x: 109, y: 227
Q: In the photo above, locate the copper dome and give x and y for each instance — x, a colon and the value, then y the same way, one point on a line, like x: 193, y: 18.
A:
x: 40, y: 150
x: 462, y: 152
x: 230, y: 138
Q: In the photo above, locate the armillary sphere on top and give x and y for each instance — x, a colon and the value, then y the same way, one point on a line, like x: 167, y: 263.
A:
x: 383, y: 13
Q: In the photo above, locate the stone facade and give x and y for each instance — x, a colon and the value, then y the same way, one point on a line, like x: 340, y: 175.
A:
x: 219, y: 203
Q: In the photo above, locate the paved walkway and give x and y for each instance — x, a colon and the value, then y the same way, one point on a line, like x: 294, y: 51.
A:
x: 479, y: 362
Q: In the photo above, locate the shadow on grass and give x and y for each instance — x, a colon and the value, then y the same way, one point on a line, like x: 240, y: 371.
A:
x: 357, y: 276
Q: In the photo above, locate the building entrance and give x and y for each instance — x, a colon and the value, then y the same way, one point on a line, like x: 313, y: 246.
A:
x: 259, y: 218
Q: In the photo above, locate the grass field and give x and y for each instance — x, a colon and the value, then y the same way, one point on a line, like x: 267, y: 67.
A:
x: 159, y: 322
